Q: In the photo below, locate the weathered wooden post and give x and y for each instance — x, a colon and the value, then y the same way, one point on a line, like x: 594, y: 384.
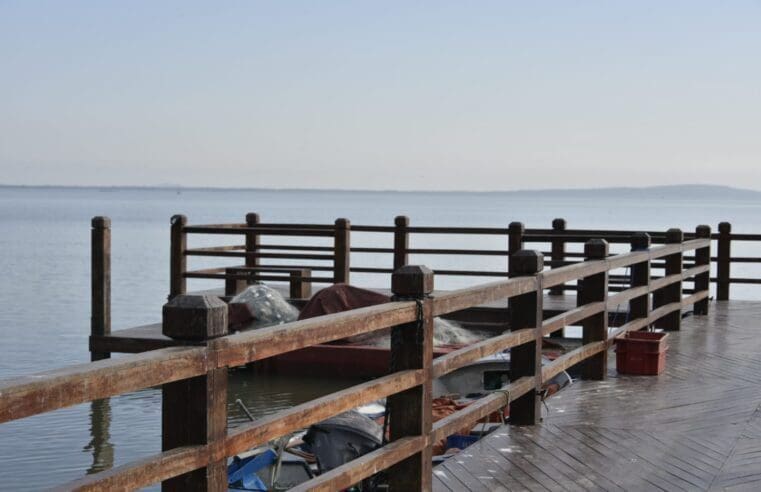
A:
x: 100, y: 282
x: 557, y: 254
x: 723, y: 264
x: 341, y: 251
x: 673, y: 293
x: 300, y: 286
x: 702, y: 280
x: 594, y: 288
x: 252, y: 240
x: 526, y: 359
x: 515, y: 233
x: 639, y: 307
x: 401, y: 241
x: 177, y: 260
x: 412, y: 348
x: 194, y: 411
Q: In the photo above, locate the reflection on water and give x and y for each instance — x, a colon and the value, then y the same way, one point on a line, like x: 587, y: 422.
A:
x: 265, y: 394
x: 100, y: 433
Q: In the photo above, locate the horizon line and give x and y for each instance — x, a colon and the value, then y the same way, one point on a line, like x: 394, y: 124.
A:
x: 368, y: 190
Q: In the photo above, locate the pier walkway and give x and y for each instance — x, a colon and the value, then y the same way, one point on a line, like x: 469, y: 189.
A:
x: 697, y: 426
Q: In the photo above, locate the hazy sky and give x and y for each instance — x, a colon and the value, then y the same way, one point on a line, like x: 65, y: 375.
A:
x: 389, y: 95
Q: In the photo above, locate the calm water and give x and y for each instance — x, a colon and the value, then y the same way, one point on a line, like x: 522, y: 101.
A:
x: 44, y: 288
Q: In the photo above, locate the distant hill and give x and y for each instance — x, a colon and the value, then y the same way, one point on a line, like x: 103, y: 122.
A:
x: 673, y: 192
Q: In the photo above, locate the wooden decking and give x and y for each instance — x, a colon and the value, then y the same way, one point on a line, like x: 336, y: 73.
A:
x: 697, y: 426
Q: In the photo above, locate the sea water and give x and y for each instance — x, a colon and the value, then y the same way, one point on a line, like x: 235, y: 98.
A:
x: 45, y: 268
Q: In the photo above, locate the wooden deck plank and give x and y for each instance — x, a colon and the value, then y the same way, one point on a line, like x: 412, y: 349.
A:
x: 697, y: 426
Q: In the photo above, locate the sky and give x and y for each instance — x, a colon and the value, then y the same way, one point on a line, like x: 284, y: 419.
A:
x: 404, y: 95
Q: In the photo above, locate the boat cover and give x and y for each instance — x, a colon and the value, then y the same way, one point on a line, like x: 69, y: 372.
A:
x: 340, y: 297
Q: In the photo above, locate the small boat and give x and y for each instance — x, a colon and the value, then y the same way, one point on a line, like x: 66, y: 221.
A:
x: 295, y: 459
x: 485, y: 376
x: 264, y: 469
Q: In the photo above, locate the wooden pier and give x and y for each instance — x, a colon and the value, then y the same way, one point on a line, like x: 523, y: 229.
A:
x: 693, y: 427
x: 697, y: 426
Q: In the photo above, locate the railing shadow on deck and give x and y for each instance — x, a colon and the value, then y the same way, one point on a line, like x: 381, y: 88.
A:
x: 196, y: 442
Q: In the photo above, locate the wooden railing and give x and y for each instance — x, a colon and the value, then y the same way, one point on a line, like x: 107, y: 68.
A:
x: 333, y: 264
x: 196, y: 441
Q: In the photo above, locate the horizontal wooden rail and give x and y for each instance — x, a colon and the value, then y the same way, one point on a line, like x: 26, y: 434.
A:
x: 481, y: 408
x: 275, y: 225
x: 626, y: 295
x: 745, y: 237
x: 750, y: 281
x: 494, y: 231
x: 293, y: 247
x: 371, y: 250
x: 744, y: 259
x: 371, y: 270
x: 458, y: 300
x: 251, y: 254
x: 262, y: 278
x: 144, y: 471
x: 459, y: 252
x: 572, y: 358
x: 470, y: 273
x: 464, y: 356
x: 571, y: 317
x: 365, y: 466
x: 51, y: 390
x: 261, y: 231
x: 372, y: 228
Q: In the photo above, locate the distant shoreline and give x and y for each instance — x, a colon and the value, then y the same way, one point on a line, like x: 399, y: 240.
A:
x: 716, y: 191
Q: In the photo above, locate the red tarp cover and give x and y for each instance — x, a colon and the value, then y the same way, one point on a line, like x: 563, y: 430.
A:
x: 339, y: 298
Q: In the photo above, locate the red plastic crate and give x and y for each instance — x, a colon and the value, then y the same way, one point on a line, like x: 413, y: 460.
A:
x: 641, y: 353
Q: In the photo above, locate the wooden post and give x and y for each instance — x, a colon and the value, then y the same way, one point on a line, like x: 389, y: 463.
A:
x: 401, y: 241
x: 252, y: 241
x: 639, y: 307
x: 342, y: 251
x: 526, y: 359
x: 702, y: 257
x: 194, y: 411
x: 100, y: 282
x: 557, y: 254
x: 515, y: 232
x: 301, y: 288
x: 178, y: 260
x: 723, y: 263
x: 412, y: 348
x: 235, y: 282
x: 673, y: 292
x: 595, y: 328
